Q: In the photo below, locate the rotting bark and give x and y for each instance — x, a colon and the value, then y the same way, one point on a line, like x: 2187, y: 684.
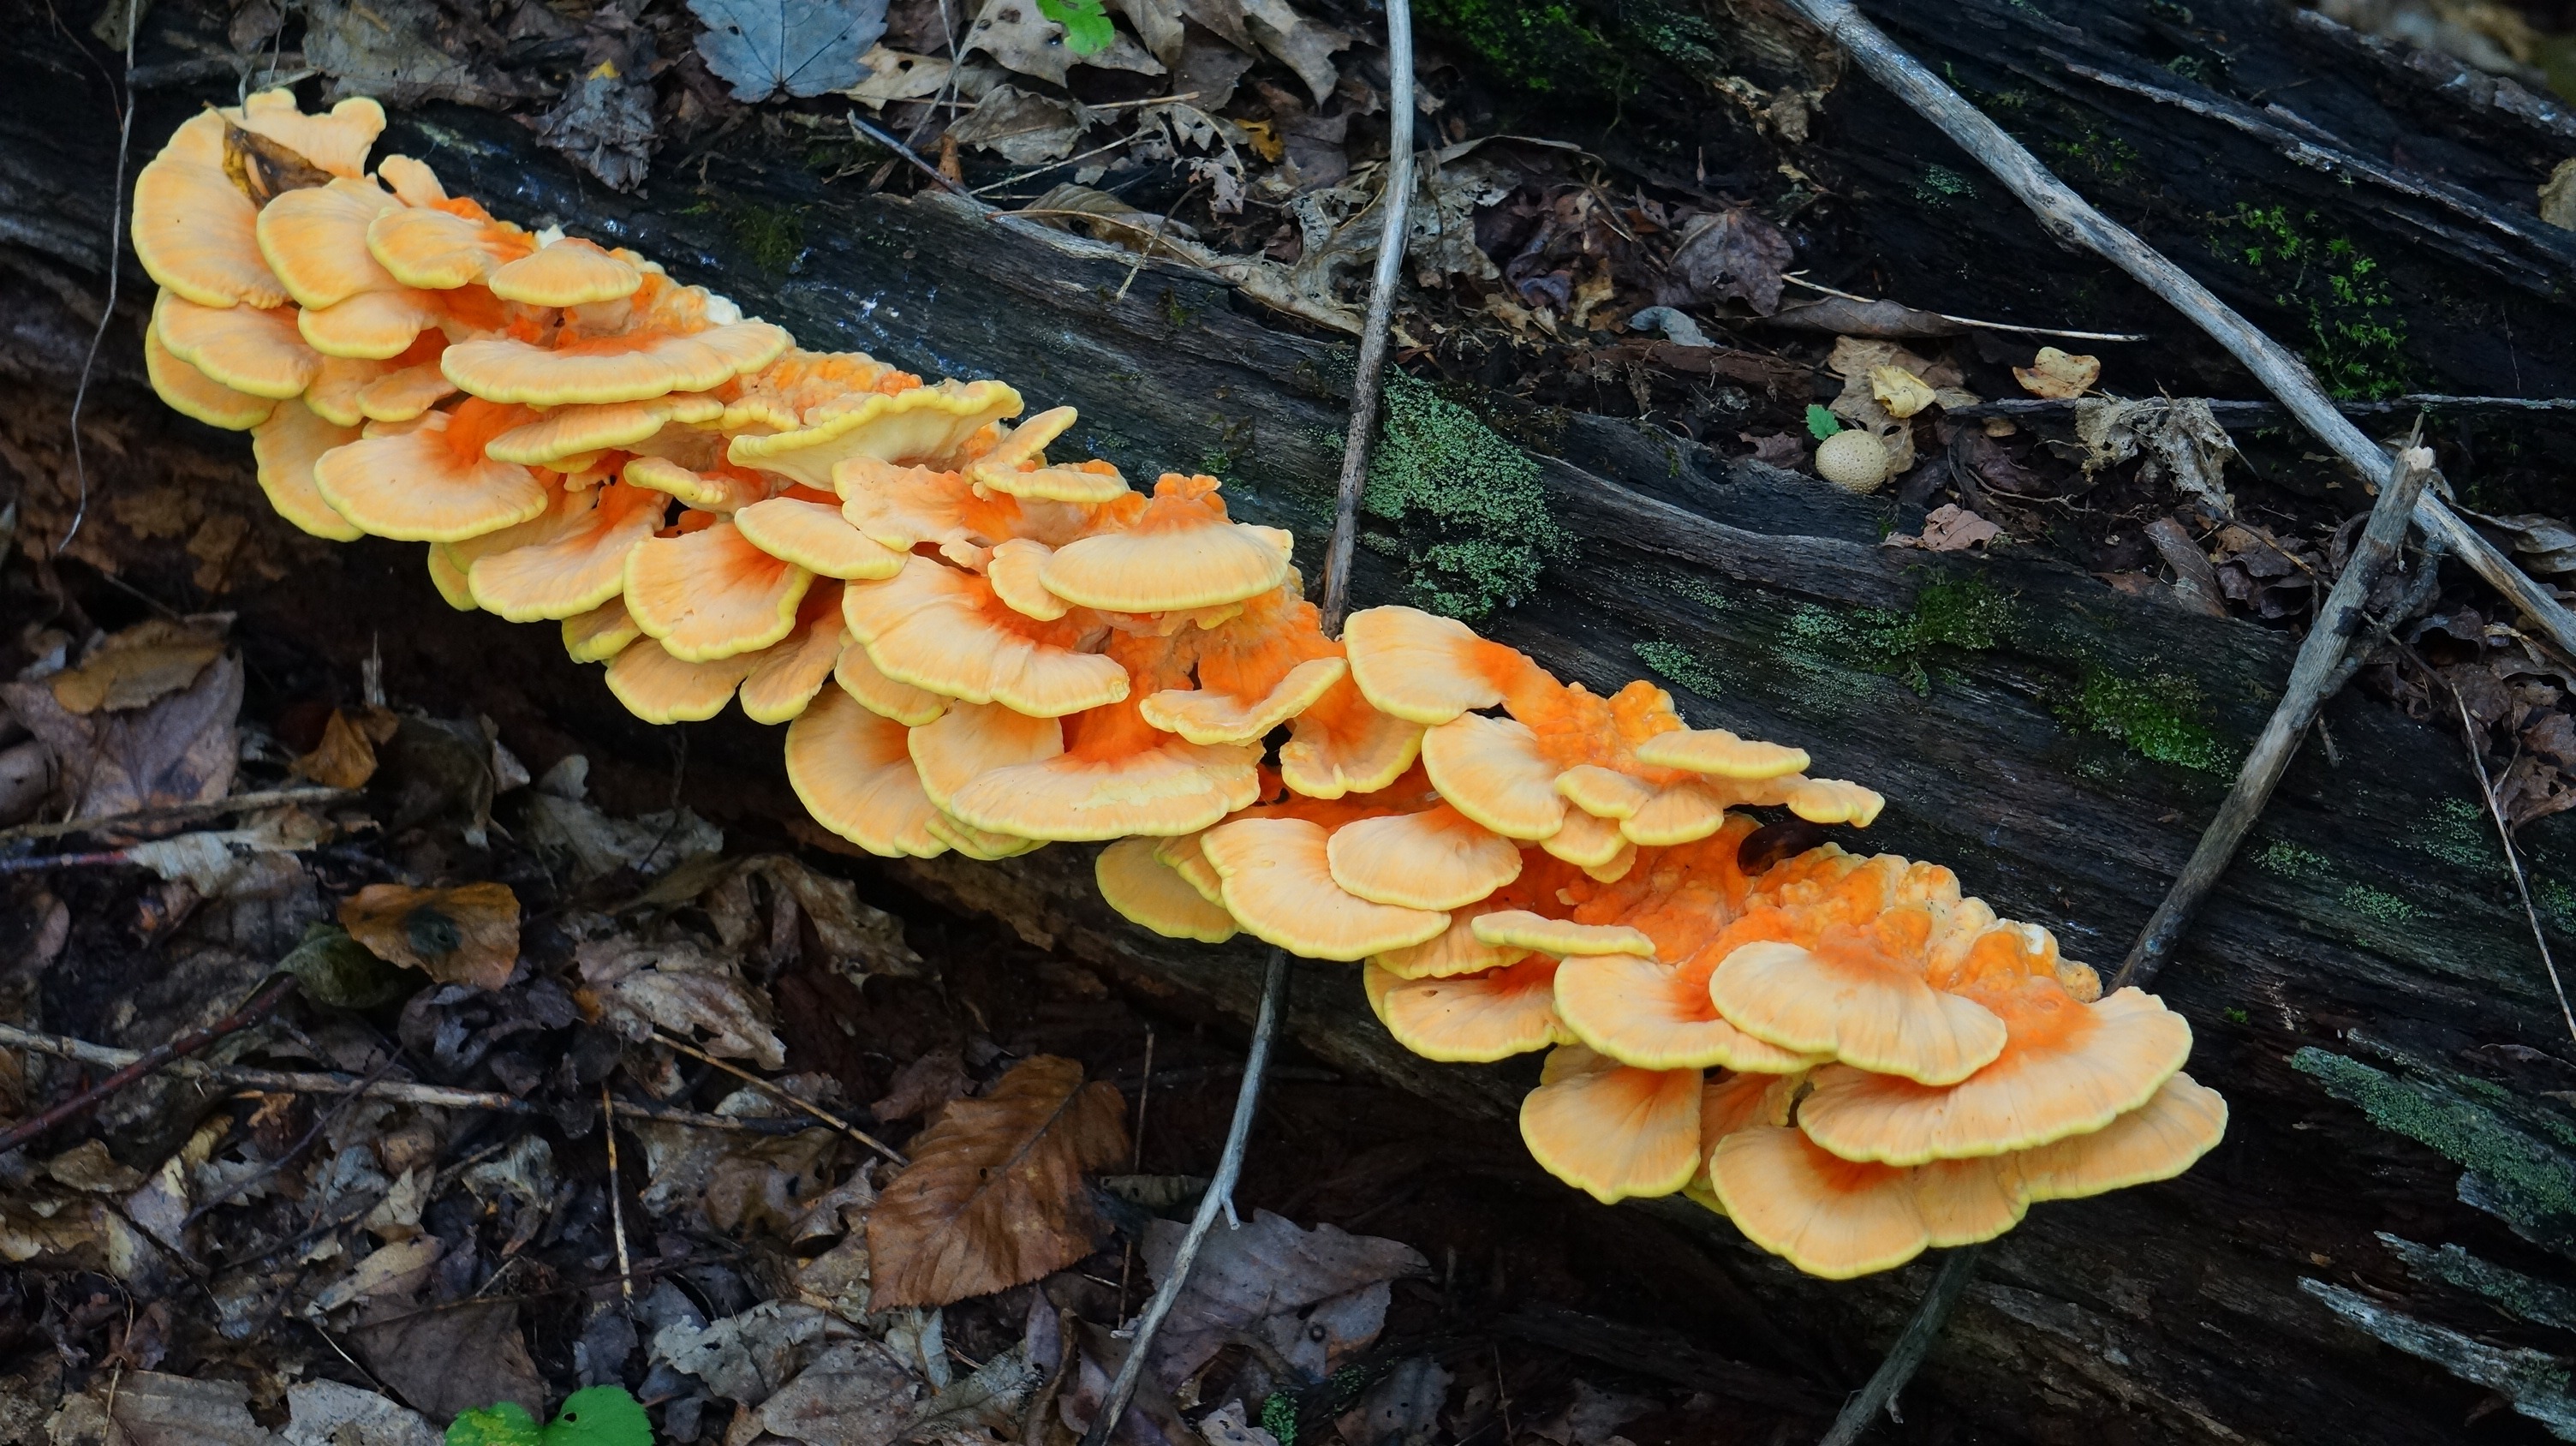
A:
x: 2362, y: 985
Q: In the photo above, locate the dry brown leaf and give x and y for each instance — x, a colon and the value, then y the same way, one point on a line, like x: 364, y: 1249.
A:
x: 346, y: 756
x: 683, y: 988
x: 137, y: 667
x: 1323, y: 1289
x: 2059, y: 376
x: 1901, y: 392
x: 182, y: 748
x: 1302, y: 45
x: 922, y: 1086
x: 1949, y: 528
x: 149, y: 1408
x: 452, y: 1358
x: 1015, y: 33
x: 994, y: 1195
x: 467, y: 935
x: 1731, y: 254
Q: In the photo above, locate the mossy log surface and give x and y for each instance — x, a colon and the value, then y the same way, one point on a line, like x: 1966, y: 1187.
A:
x: 2363, y: 988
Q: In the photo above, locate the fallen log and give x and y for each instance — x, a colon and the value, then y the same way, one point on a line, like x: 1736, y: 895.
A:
x: 2362, y: 987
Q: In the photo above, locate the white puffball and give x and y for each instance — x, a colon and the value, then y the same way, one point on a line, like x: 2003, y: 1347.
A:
x: 1853, y: 460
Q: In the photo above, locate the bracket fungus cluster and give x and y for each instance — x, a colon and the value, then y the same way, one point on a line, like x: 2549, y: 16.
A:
x: 978, y: 648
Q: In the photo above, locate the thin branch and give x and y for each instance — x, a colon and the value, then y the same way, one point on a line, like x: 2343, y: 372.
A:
x: 1220, y: 1190
x: 2067, y: 217
x: 259, y: 1007
x: 774, y: 1092
x: 184, y: 813
x: 616, y: 1196
x: 1800, y: 281
x: 2313, y: 676
x: 909, y: 154
x: 2512, y: 855
x: 2241, y: 413
x: 115, y: 272
x: 1372, y: 358
x: 1910, y: 1348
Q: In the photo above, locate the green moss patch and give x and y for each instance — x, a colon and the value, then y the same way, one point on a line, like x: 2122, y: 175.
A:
x: 2356, y: 337
x: 2527, y: 1182
x: 1469, y: 511
x: 2161, y: 717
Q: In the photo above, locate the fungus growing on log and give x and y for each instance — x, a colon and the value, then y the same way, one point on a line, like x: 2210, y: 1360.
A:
x: 977, y: 647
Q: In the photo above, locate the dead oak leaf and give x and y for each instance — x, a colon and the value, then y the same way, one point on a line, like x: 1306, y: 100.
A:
x: 466, y: 935
x: 994, y: 1196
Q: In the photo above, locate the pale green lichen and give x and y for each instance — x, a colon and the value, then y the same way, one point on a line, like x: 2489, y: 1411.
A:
x: 2529, y: 1183
x: 1468, y: 507
x: 2291, y: 861
x: 2457, y: 831
x: 1839, y: 654
x: 2378, y: 904
x: 1677, y: 663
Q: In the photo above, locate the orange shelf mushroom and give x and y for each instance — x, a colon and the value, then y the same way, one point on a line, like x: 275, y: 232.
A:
x: 982, y: 648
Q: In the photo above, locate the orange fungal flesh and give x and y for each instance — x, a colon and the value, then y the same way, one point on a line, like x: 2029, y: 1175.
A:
x: 1612, y: 1131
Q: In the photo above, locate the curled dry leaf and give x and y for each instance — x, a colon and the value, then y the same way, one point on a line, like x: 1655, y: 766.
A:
x: 1732, y: 254
x: 137, y: 667
x: 1268, y: 1271
x: 467, y: 935
x: 1022, y: 38
x: 2059, y: 376
x: 1901, y: 392
x: 994, y: 1195
x: 346, y: 756
x: 180, y: 748
x: 685, y: 989
x: 1949, y: 528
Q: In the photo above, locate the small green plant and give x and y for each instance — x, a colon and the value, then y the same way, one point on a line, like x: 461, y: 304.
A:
x: 2357, y: 338
x: 1822, y: 423
x: 596, y: 1416
x: 1279, y: 1417
x: 1086, y: 25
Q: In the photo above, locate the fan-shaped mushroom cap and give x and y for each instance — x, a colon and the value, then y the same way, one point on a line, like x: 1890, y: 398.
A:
x: 370, y: 326
x: 1523, y: 929
x: 853, y: 772
x: 2156, y: 1141
x: 1453, y: 951
x: 970, y: 740
x: 439, y: 249
x: 1340, y: 745
x: 1435, y: 859
x: 942, y: 629
x: 1428, y: 669
x: 575, y: 570
x: 241, y: 347
x: 431, y: 483
x: 1279, y: 885
x: 286, y: 447
x: 1470, y: 1018
x: 2066, y: 1069
x: 1858, y: 1001
x: 351, y: 390
x: 795, y: 668
x: 1493, y: 771
x: 1658, y: 1016
x: 315, y: 241
x: 1588, y: 842
x: 975, y: 843
x: 1603, y: 792
x: 917, y: 424
x: 723, y: 492
x: 778, y: 397
x: 1677, y: 813
x: 1147, y: 891
x: 1117, y: 777
x: 191, y: 393
x: 1611, y: 1130
x: 628, y: 368
x: 1730, y: 1102
x: 448, y: 578
x: 337, y: 142
x: 1832, y: 800
x: 1841, y: 1218
x: 1017, y: 465
x: 814, y: 536
x: 575, y: 431
x: 1717, y: 751
x: 194, y: 230
x: 601, y: 633
x: 1181, y: 552
x: 566, y: 272
x: 710, y: 594
x: 880, y: 694
x: 1205, y: 715
x: 1182, y: 855
x: 1013, y: 570
x: 660, y: 688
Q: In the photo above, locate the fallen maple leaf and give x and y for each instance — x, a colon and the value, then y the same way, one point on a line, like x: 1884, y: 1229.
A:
x: 467, y: 935
x: 2059, y: 375
x: 994, y: 1196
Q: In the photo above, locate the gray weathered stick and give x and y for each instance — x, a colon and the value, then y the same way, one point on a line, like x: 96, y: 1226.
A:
x: 2073, y: 221
x: 2313, y: 677
x: 1910, y: 1348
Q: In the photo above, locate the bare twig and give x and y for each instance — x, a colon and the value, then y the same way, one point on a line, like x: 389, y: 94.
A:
x: 1910, y: 1348
x: 774, y: 1092
x: 918, y: 164
x: 183, y: 813
x: 2512, y: 855
x: 39, y: 863
x: 2067, y: 217
x: 1372, y: 358
x: 616, y: 1197
x: 1220, y: 1190
x: 1800, y: 281
x: 243, y: 1186
x: 2317, y: 668
x: 2238, y: 413
x: 115, y: 272
x: 258, y: 1007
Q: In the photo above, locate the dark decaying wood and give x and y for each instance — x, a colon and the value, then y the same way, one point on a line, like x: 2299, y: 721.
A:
x: 2362, y: 986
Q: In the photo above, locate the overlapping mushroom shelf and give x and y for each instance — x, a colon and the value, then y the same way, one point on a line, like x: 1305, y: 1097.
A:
x: 978, y: 649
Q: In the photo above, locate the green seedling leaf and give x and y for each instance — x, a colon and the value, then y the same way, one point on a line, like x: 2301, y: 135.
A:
x: 600, y: 1416
x: 505, y: 1424
x: 1086, y: 25
x: 1822, y: 423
